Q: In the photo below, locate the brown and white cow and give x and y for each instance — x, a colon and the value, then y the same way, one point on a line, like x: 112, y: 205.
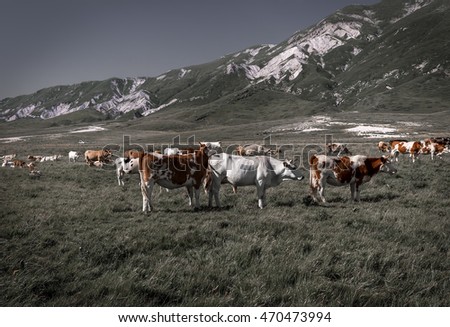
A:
x: 19, y: 163
x: 388, y: 146
x: 434, y: 147
x: 337, y: 149
x: 35, y: 158
x: 174, y: 171
x: 340, y: 171
x: 90, y: 156
x: 412, y: 147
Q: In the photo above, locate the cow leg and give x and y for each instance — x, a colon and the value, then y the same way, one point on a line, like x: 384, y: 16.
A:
x: 197, y: 197
x: 214, y: 189
x: 120, y: 178
x: 261, y: 192
x: 146, y: 190
x: 321, y: 190
x: 190, y: 191
x: 313, y: 184
x: 357, y: 192
x: 354, y: 189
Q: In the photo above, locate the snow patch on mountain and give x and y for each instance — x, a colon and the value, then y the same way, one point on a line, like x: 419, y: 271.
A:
x: 22, y: 113
x: 411, y: 8
x: 151, y: 111
x: 288, y: 62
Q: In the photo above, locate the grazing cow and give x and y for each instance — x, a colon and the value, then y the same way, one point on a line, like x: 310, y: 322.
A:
x: 34, y: 158
x: 126, y: 166
x: 262, y: 171
x: 74, y: 155
x: 175, y: 171
x: 413, y: 148
x: 337, y: 149
x: 340, y: 171
x: 19, y: 163
x: 34, y: 173
x: 252, y: 150
x: 51, y: 158
x: 8, y: 157
x: 434, y: 147
x: 90, y: 156
x: 386, y: 147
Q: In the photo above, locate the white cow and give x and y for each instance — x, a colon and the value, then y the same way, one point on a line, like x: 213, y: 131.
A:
x: 126, y: 166
x: 261, y: 171
x: 74, y: 155
x: 51, y: 158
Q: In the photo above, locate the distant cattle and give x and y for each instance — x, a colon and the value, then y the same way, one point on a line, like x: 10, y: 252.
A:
x: 8, y: 157
x: 173, y: 171
x: 261, y: 171
x: 50, y: 158
x: 413, y: 148
x: 126, y: 166
x: 388, y: 146
x: 340, y: 171
x: 90, y: 156
x: 33, y: 172
x: 337, y: 149
x: 74, y: 155
x: 252, y: 150
x: 19, y: 163
x: 34, y: 158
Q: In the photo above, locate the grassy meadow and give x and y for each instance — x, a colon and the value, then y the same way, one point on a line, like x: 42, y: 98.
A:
x: 76, y: 238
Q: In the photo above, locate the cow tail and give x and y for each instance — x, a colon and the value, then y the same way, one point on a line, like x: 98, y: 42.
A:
x: 312, y: 168
x: 141, y: 174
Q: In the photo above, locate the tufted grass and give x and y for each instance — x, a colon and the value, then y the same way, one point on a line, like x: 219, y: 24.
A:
x: 75, y: 238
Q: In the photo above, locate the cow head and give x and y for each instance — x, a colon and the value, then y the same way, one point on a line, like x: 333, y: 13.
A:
x: 382, y: 146
x: 290, y: 171
x: 387, y: 166
x: 343, y: 150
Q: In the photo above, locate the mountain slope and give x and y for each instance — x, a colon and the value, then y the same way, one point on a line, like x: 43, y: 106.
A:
x: 390, y: 56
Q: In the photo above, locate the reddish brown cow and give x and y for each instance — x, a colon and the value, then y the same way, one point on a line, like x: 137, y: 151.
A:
x: 92, y: 156
x: 340, y: 171
x: 413, y: 148
x: 386, y: 147
x: 174, y: 171
x: 19, y: 163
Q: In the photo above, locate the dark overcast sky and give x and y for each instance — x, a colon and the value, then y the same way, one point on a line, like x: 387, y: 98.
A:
x: 57, y: 42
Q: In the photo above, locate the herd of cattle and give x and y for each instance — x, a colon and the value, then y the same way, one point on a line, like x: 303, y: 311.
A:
x: 209, y: 167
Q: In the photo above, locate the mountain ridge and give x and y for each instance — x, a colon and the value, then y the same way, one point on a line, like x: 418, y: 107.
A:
x: 360, y: 57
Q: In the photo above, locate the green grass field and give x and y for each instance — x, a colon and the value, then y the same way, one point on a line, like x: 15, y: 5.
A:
x: 76, y: 238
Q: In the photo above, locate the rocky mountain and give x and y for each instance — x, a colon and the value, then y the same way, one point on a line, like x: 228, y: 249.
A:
x: 389, y: 56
